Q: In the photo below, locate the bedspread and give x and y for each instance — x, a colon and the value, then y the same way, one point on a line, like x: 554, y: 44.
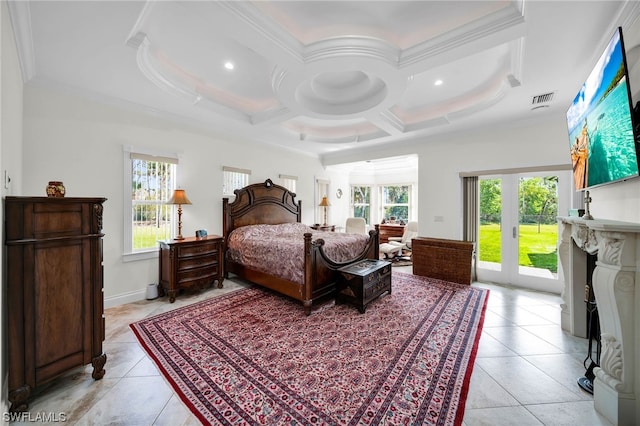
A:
x: 279, y: 249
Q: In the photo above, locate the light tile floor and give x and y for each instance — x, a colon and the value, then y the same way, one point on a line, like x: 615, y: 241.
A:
x: 525, y: 372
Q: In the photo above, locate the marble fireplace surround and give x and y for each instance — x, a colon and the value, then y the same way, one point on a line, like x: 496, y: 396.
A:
x: 616, y: 285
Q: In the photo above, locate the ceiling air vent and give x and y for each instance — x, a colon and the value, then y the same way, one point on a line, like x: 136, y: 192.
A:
x: 541, y: 99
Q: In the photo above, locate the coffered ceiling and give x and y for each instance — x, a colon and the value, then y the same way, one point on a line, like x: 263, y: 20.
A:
x: 320, y: 76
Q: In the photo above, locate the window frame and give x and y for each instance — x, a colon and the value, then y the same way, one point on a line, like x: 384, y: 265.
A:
x: 383, y: 205
x: 288, y: 181
x: 231, y: 177
x: 129, y: 152
x: 363, y: 205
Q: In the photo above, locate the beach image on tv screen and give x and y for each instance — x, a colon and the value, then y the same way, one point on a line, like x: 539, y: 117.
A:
x: 600, y: 127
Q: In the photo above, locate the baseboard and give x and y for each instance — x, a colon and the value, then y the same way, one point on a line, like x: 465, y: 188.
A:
x: 121, y: 299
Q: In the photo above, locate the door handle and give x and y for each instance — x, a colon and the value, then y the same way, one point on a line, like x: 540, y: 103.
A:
x: 515, y: 232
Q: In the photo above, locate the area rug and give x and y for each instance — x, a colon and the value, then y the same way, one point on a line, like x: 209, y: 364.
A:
x: 253, y: 357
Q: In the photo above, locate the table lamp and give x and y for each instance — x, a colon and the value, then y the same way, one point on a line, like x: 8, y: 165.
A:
x: 179, y: 198
x: 324, y: 203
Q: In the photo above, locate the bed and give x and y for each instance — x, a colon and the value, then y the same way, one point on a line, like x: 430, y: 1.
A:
x: 313, y: 251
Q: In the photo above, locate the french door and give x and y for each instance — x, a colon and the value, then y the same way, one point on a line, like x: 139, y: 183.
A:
x: 518, y: 230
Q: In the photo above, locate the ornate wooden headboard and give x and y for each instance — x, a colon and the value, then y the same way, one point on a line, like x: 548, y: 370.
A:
x: 260, y: 203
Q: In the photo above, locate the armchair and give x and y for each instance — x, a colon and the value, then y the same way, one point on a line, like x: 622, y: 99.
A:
x: 356, y: 225
x: 397, y: 244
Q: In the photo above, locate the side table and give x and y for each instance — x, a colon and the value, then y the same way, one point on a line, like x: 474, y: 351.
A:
x: 190, y: 263
x: 362, y: 282
x: 319, y: 227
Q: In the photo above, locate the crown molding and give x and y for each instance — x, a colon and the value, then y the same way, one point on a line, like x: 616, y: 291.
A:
x: 20, y: 16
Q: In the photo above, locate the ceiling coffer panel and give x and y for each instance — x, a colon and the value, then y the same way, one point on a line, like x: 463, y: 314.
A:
x: 313, y: 60
x: 323, y: 77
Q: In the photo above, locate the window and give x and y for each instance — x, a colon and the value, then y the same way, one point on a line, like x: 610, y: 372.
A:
x: 234, y: 178
x: 289, y: 182
x: 322, y: 190
x: 361, y: 202
x: 395, y: 201
x: 152, y: 179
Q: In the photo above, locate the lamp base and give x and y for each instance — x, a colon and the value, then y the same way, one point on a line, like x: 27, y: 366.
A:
x: 178, y: 237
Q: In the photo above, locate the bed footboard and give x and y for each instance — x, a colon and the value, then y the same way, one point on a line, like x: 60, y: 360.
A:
x: 320, y: 272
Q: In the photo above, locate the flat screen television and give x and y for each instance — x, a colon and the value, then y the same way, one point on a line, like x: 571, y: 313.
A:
x: 602, y: 135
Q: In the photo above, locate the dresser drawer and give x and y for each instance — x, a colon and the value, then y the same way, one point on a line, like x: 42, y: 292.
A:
x: 208, y: 248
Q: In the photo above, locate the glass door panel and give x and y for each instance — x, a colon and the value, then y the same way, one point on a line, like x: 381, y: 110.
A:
x: 538, y: 226
x: 490, y: 238
x: 518, y: 229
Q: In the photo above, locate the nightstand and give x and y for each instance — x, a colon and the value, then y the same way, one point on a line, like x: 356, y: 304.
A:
x: 190, y: 264
x: 319, y: 227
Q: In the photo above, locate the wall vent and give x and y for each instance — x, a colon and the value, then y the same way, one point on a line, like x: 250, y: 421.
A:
x: 540, y: 99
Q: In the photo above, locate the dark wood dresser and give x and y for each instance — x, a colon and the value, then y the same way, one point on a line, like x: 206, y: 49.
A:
x: 362, y: 282
x: 390, y: 230
x: 191, y: 263
x: 54, y: 290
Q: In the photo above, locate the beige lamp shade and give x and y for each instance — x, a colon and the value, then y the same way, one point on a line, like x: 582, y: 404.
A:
x: 324, y: 202
x: 179, y: 197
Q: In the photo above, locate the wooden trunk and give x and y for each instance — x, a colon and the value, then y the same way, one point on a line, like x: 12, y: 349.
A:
x: 362, y: 282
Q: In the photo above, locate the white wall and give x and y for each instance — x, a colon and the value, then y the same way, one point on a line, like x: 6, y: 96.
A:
x: 10, y: 158
x: 80, y: 142
x: 531, y: 144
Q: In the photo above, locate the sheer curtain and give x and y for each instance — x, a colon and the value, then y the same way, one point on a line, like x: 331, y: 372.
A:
x: 470, y: 213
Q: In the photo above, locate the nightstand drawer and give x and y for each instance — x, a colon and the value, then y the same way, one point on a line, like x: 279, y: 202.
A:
x: 187, y: 278
x: 196, y: 262
x: 209, y: 248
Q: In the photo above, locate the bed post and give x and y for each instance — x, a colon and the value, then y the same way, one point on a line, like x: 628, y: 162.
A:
x: 376, y: 245
x: 308, y: 274
x: 225, y: 235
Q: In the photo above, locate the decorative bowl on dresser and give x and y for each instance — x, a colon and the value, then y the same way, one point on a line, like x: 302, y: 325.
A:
x: 362, y: 282
x: 54, y: 289
x: 190, y: 263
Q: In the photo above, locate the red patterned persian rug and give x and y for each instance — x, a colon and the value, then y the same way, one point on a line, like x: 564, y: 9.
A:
x: 253, y: 357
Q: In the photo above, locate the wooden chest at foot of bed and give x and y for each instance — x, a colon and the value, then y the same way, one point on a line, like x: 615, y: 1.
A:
x: 362, y: 282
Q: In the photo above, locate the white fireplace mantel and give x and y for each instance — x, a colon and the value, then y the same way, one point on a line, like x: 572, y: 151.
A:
x: 616, y: 285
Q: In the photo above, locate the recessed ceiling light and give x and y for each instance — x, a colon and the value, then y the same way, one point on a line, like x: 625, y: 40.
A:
x: 438, y: 83
x: 229, y: 65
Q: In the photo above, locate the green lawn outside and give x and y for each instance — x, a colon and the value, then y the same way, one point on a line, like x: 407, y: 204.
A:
x: 148, y: 236
x: 537, y: 249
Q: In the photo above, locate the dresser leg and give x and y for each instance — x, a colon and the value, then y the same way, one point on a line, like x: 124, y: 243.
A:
x: 220, y: 282
x: 18, y: 398
x: 98, y: 366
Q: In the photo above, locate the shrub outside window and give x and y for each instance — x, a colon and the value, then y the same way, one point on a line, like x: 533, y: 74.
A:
x: 395, y: 202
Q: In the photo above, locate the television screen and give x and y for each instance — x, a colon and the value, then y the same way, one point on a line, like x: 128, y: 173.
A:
x: 601, y: 132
